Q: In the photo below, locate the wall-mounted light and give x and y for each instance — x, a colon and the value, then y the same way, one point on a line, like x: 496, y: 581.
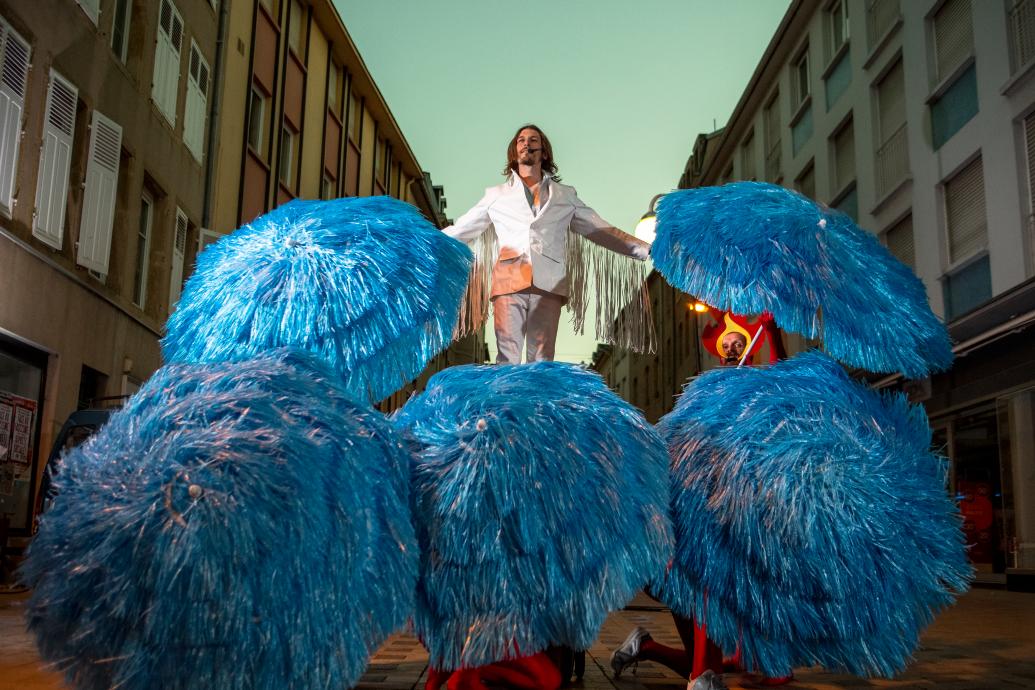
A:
x: 645, y: 228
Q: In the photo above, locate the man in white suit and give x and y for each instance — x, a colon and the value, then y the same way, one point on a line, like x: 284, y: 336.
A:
x: 532, y: 213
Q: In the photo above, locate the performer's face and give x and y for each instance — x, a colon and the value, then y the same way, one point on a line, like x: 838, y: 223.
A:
x: 529, y: 147
x: 733, y: 345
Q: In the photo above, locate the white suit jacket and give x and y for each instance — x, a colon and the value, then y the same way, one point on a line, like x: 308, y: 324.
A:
x: 532, y: 247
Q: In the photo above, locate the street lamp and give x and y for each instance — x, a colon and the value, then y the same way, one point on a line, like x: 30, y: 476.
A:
x: 645, y: 228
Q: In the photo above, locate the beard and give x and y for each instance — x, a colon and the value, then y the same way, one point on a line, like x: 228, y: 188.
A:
x: 526, y: 159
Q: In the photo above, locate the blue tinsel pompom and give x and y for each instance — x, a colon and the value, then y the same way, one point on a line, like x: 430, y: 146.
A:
x: 753, y: 247
x: 367, y: 283
x: 812, y: 520
x: 541, y: 505
x: 238, y: 525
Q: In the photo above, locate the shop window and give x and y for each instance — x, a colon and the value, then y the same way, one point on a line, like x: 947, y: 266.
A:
x: 22, y: 380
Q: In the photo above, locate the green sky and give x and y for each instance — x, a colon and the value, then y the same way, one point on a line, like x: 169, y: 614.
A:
x: 622, y: 88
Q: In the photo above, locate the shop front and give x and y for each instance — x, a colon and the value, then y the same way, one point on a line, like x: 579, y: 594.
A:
x: 22, y: 382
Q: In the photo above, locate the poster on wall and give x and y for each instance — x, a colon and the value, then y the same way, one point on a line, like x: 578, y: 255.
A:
x: 17, y: 420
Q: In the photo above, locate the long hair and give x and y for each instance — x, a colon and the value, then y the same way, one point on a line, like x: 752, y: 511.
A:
x: 548, y: 164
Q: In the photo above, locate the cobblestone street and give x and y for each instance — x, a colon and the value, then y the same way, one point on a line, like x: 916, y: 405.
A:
x: 986, y: 642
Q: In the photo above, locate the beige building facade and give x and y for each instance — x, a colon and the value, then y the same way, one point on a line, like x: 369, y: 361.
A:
x: 132, y: 134
x: 101, y: 181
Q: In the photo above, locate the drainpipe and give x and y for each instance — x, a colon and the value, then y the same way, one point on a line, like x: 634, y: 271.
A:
x: 213, y: 113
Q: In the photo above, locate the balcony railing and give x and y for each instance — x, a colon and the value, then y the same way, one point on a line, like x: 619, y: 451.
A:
x: 1022, y: 34
x: 773, y: 171
x: 880, y: 15
x: 892, y: 161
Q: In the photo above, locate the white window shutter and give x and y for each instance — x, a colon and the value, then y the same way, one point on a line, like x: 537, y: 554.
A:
x: 167, y: 60
x: 55, y: 159
x: 179, y: 249
x: 196, y: 107
x: 14, y: 70
x: 102, y: 180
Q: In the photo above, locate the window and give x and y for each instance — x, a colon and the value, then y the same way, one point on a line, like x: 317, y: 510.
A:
x: 848, y: 203
x: 952, y: 36
x: 297, y: 29
x: 801, y: 130
x: 800, y: 78
x: 968, y: 281
x: 100, y: 187
x: 196, y: 109
x: 143, y: 259
x: 837, y: 27
x: 806, y: 182
x: 892, y: 141
x: 747, y: 158
x: 288, y: 144
x: 91, y: 7
x: 272, y: 7
x: 899, y: 241
x: 843, y: 144
x: 179, y: 248
x: 965, y: 213
x: 14, y: 70
x: 954, y: 108
x: 967, y: 288
x: 206, y: 238
x: 166, y: 82
x: 355, y: 118
x: 838, y: 79
x: 1022, y: 34
x: 55, y: 159
x: 380, y: 153
x: 1029, y: 157
x: 881, y: 15
x: 257, y: 122
x: 120, y: 29
x: 771, y: 120
x: 335, y: 88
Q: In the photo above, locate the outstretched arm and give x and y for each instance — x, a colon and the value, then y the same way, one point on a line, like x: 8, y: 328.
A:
x: 469, y: 226
x: 586, y: 222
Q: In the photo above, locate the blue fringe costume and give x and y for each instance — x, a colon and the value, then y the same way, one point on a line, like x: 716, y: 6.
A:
x: 754, y: 247
x: 541, y: 506
x: 237, y: 525
x: 812, y: 523
x: 366, y: 283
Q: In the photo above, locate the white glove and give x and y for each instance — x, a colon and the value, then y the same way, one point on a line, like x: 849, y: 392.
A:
x: 641, y: 252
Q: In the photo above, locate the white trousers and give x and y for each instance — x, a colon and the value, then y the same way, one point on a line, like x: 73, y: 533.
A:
x: 526, y: 319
